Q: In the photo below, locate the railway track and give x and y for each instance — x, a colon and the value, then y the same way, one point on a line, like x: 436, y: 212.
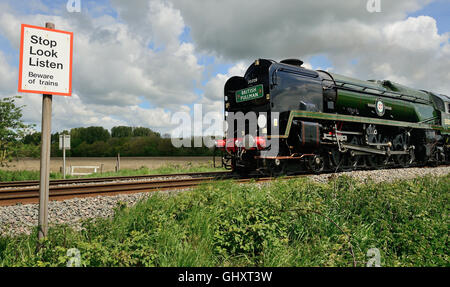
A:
x: 31, y: 183
x: 26, y: 192
x: 27, y: 195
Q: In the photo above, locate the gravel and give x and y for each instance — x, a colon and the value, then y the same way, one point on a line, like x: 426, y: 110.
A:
x: 21, y: 219
x: 148, y: 179
x: 385, y: 175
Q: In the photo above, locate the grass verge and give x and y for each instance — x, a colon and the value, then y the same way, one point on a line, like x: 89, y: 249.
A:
x: 167, y: 169
x: 283, y: 223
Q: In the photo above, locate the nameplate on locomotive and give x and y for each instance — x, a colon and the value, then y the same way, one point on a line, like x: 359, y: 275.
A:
x: 249, y: 94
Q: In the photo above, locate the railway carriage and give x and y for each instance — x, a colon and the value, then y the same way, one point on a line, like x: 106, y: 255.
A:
x: 318, y: 120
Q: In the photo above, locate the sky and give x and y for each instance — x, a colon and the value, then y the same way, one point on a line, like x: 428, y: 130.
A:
x: 139, y: 62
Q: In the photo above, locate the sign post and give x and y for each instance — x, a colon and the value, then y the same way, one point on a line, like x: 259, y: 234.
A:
x: 64, y: 143
x: 45, y: 68
x: 45, y: 159
x: 45, y: 165
x: 64, y: 157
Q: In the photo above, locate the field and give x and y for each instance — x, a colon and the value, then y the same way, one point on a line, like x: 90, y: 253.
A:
x: 109, y: 163
x: 283, y: 223
x: 28, y: 169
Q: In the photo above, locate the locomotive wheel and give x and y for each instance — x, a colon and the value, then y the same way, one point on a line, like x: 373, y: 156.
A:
x: 242, y: 172
x: 336, y: 159
x: 227, y: 161
x: 354, y: 160
x: 438, y: 157
x: 400, y: 144
x: 278, y: 168
x: 316, y: 163
x: 377, y: 161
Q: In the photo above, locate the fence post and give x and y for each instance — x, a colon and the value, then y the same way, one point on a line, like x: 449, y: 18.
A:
x: 118, y: 163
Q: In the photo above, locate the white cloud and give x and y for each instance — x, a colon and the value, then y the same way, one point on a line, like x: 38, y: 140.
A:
x: 409, y: 51
x: 8, y: 75
x: 71, y: 112
x: 212, y: 100
x: 247, y: 29
x: 414, y: 34
x: 114, y: 69
x: 166, y: 23
x: 213, y: 90
x: 387, y: 45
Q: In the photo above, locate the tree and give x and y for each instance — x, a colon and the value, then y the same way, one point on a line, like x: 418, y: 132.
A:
x: 88, y: 135
x: 33, y: 139
x: 121, y: 132
x: 12, y: 129
x: 143, y: 132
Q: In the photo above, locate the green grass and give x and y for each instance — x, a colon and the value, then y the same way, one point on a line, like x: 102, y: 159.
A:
x: 286, y: 223
x: 6, y: 175
x: 167, y: 169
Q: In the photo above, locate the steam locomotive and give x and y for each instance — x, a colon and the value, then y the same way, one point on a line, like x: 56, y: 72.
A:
x: 304, y: 119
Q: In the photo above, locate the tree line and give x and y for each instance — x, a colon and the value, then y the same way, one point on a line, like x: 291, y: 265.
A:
x: 20, y: 140
x: 100, y: 142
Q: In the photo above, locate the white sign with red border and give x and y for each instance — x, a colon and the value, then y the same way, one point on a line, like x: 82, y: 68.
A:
x: 45, y: 61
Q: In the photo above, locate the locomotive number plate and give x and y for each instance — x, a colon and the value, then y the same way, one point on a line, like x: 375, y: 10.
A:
x: 249, y: 94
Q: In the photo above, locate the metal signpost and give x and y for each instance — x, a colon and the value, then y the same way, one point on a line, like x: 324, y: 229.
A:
x: 45, y: 68
x: 64, y: 143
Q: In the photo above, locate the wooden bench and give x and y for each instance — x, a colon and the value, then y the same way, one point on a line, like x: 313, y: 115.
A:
x: 72, y: 168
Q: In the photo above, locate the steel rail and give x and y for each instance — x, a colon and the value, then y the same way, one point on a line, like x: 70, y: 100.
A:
x: 31, y: 183
x: 13, y: 196
x: 58, y: 192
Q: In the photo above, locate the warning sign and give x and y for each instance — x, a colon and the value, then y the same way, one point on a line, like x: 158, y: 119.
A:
x: 45, y: 61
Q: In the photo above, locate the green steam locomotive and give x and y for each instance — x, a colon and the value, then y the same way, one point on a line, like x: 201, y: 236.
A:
x: 317, y: 120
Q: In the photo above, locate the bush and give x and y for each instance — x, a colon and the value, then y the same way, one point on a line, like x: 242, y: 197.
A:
x: 248, y: 223
x: 283, y: 223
